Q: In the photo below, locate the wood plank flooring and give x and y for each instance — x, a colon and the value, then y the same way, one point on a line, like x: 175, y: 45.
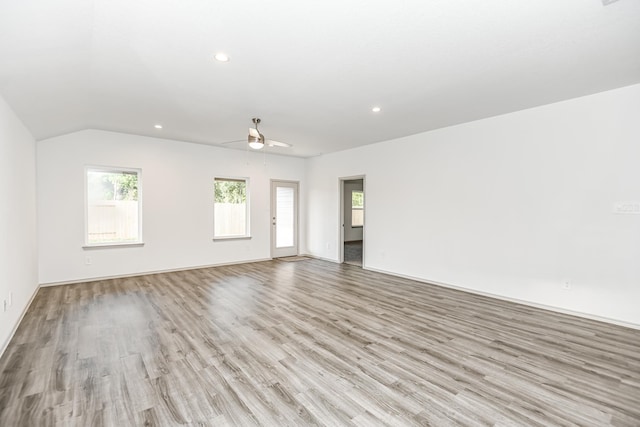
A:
x: 309, y: 343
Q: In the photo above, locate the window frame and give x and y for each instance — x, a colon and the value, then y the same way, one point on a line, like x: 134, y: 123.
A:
x: 112, y: 169
x: 247, y: 203
x: 357, y: 208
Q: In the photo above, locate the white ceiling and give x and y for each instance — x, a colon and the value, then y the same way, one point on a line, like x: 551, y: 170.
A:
x: 311, y: 69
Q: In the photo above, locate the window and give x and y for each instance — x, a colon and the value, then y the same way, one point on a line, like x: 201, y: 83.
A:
x: 357, y: 208
x: 113, y: 206
x: 230, y: 208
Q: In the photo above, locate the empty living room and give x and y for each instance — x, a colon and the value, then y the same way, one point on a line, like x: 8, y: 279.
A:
x: 292, y: 213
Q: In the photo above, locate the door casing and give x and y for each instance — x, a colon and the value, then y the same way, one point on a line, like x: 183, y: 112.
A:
x: 341, y: 182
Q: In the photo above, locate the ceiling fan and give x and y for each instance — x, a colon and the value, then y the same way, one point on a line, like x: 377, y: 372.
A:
x: 257, y: 140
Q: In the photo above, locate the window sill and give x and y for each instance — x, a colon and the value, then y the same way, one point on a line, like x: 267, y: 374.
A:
x: 222, y: 239
x: 112, y: 245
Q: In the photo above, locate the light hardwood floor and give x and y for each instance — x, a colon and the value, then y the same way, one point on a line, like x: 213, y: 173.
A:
x: 309, y: 343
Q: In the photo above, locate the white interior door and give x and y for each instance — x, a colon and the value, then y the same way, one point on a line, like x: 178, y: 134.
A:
x: 284, y: 218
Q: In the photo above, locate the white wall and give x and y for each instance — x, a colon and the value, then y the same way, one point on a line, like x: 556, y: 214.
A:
x: 513, y: 205
x: 18, y: 254
x: 177, y: 194
x: 351, y: 233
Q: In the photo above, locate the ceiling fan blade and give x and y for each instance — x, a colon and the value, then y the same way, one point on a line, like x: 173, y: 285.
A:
x: 231, y: 142
x: 254, y: 133
x: 272, y: 143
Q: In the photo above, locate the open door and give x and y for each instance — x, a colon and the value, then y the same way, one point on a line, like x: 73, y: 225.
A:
x: 284, y: 219
x: 352, y: 220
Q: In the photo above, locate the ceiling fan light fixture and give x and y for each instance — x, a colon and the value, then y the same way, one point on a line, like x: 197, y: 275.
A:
x: 222, y: 57
x: 256, y: 143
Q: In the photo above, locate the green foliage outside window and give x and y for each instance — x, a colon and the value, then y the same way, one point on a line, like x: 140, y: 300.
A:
x: 230, y: 191
x: 357, y: 199
x: 113, y: 185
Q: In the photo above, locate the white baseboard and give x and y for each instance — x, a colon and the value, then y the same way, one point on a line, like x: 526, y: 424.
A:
x: 17, y: 324
x: 320, y: 258
x: 500, y: 297
x: 514, y: 300
x: 404, y: 276
x: 144, y: 273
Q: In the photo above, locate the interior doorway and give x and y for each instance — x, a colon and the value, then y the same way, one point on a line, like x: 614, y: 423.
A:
x: 284, y: 219
x: 352, y: 212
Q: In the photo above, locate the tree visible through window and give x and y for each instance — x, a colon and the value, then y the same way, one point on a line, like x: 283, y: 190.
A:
x: 113, y: 208
x: 230, y: 214
x: 357, y: 208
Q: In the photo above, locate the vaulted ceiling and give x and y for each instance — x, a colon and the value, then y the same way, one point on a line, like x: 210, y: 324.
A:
x: 312, y: 70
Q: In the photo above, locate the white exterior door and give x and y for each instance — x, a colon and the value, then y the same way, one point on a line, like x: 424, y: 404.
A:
x: 284, y: 219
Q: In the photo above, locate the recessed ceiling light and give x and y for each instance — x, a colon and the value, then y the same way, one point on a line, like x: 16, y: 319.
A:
x: 222, y: 57
x: 158, y: 126
x: 376, y: 109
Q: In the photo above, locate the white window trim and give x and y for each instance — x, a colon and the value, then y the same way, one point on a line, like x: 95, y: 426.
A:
x: 247, y: 234
x: 221, y: 239
x: 88, y: 245
x: 112, y: 245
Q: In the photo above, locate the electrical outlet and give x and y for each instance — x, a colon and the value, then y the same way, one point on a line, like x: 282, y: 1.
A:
x: 87, y: 260
x: 566, y: 285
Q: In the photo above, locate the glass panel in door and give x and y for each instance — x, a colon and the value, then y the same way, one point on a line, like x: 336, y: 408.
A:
x: 284, y: 218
